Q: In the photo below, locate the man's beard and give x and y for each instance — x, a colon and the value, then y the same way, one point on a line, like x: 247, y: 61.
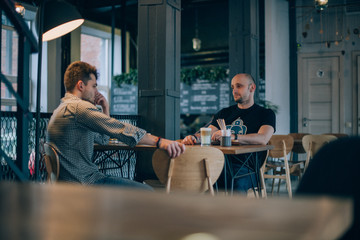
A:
x: 241, y: 100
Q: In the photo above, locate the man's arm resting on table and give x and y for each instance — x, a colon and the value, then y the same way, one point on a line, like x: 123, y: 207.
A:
x: 261, y: 137
x: 173, y: 148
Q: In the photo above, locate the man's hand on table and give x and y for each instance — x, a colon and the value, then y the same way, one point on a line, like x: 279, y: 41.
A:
x: 173, y: 148
x: 216, y: 136
x: 189, y: 140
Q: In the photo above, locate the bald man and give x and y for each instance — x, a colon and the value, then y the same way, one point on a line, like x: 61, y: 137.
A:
x: 249, y: 124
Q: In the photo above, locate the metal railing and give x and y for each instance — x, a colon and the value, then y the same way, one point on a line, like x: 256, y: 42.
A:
x: 9, y: 141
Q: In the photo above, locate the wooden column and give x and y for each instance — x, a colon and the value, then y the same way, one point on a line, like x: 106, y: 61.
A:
x: 244, y: 37
x: 158, y: 70
x: 159, y: 66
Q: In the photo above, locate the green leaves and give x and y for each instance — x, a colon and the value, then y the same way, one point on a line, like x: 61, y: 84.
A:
x: 213, y: 74
x: 187, y: 75
x: 127, y: 78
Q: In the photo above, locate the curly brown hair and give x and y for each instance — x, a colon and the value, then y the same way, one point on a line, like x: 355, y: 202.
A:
x: 78, y: 71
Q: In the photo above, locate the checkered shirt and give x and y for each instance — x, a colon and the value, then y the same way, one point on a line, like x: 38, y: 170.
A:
x: 73, y: 129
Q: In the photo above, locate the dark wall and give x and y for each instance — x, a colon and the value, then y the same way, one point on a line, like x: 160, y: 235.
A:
x: 213, y: 26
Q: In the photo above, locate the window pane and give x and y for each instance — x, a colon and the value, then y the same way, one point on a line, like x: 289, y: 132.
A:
x: 9, y: 63
x: 93, y: 51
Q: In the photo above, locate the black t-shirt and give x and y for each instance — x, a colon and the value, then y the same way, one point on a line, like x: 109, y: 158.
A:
x: 245, y: 121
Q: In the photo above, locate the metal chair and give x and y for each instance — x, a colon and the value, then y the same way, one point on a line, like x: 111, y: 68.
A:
x: 52, y: 163
x: 196, y: 170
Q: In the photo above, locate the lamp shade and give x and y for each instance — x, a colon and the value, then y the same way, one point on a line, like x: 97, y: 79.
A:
x: 321, y: 4
x: 59, y: 19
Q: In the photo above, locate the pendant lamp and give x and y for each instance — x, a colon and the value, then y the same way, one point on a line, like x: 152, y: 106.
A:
x: 59, y: 18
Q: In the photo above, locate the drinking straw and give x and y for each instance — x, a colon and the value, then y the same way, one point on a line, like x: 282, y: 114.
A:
x: 222, y: 124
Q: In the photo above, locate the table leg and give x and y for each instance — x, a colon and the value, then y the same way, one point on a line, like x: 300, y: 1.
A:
x: 252, y: 159
x: 116, y: 157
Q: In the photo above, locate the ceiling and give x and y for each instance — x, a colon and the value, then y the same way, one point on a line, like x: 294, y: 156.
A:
x: 212, y: 23
x: 101, y: 10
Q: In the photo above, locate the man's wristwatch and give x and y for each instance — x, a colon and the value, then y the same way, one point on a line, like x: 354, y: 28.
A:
x: 158, y: 142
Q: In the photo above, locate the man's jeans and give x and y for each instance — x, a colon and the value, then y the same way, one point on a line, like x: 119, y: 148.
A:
x: 122, y: 182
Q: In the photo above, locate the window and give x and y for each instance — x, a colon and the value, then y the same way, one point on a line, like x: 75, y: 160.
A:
x: 95, y: 50
x: 9, y: 58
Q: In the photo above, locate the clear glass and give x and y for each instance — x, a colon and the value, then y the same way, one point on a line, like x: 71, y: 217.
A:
x: 205, y: 136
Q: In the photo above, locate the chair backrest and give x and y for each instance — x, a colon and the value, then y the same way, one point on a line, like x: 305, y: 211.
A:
x: 283, y: 145
x: 51, y: 162
x: 338, y: 135
x: 298, y: 147
x: 195, y: 170
x: 313, y: 143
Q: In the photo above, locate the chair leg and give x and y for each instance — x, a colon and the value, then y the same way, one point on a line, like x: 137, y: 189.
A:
x: 256, y: 192
x: 279, y: 183
x: 288, y: 182
x: 287, y: 171
x: 278, y: 190
x: 170, y: 173
x: 208, y: 176
x: 272, y: 187
x: 264, y: 194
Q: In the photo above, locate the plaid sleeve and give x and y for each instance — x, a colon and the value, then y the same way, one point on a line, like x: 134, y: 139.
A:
x: 90, y: 117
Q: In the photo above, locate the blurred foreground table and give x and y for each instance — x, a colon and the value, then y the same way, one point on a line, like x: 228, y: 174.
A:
x: 63, y: 211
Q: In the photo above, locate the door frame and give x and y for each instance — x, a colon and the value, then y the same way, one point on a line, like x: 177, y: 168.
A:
x: 301, y: 56
x: 355, y: 92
